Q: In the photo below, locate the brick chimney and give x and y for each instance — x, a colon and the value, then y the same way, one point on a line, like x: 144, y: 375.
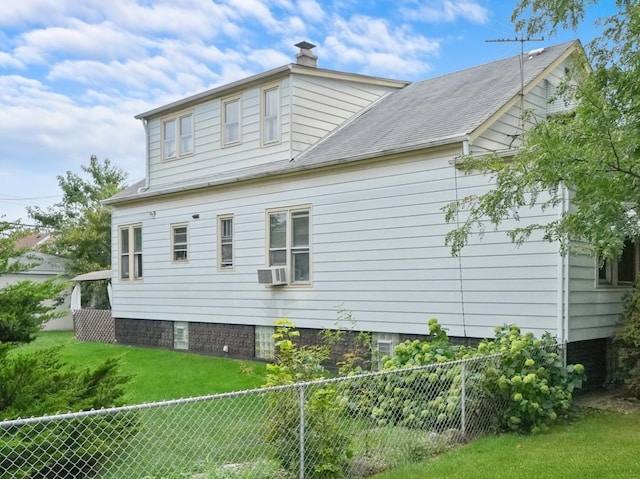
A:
x: 305, y: 57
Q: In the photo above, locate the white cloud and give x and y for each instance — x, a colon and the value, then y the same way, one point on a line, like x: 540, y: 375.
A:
x: 8, y: 61
x: 103, y: 41
x: 311, y: 11
x: 448, y: 11
x: 372, y: 44
x: 77, y: 71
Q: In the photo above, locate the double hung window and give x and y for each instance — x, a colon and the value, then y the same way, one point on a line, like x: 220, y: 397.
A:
x: 289, y: 243
x: 225, y: 242
x: 270, y: 115
x: 131, y: 252
x: 179, y: 245
x: 231, y: 121
x: 177, y: 136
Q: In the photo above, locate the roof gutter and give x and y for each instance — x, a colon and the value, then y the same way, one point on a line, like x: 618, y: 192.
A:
x: 296, y: 168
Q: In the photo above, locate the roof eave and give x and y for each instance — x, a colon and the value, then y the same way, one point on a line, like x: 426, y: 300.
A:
x: 263, y: 77
x: 293, y: 169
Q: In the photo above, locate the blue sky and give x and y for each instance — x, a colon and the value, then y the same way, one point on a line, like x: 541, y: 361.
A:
x: 73, y: 73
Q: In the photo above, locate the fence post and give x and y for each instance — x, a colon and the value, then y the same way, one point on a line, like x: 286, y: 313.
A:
x: 302, y: 428
x: 463, y: 399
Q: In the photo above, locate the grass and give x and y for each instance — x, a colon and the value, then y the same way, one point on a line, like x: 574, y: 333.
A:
x: 158, y: 374
x: 179, y: 436
x: 601, y: 445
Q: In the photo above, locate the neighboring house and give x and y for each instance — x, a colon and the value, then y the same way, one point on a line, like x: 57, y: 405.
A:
x: 41, y: 267
x: 335, y: 182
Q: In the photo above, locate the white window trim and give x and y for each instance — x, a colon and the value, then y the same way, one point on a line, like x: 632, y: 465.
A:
x: 178, y: 135
x: 289, y: 233
x: 223, y: 121
x: 263, y: 92
x: 173, y: 243
x: 611, y: 268
x: 221, y: 267
x: 131, y: 254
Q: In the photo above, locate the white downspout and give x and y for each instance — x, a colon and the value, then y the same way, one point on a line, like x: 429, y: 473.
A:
x: 145, y: 124
x: 562, y: 278
x: 567, y: 258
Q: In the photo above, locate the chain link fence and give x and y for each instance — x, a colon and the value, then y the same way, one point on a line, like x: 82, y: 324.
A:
x: 349, y: 427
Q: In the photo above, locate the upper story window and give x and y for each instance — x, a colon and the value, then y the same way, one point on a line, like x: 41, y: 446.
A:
x: 225, y: 242
x: 289, y: 242
x: 271, y: 115
x: 624, y: 271
x: 130, y: 252
x: 231, y: 121
x: 179, y: 245
x: 177, y: 136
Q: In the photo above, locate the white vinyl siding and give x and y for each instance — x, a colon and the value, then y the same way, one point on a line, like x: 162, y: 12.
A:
x: 179, y: 243
x: 320, y: 105
x: 506, y: 130
x: 130, y: 252
x: 594, y: 309
x: 377, y: 240
x: 225, y: 243
x: 309, y: 109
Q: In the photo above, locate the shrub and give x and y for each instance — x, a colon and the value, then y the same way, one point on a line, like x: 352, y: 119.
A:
x: 38, y: 383
x: 530, y: 377
x: 627, y: 341
x: 326, y: 447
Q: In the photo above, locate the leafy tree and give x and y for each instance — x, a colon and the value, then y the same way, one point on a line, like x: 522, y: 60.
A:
x: 594, y: 152
x: 80, y: 224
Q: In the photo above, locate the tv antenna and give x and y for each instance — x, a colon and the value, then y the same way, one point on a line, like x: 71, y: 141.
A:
x: 522, y: 41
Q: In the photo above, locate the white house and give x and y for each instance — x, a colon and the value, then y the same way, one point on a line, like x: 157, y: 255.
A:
x: 40, y: 267
x: 331, y: 185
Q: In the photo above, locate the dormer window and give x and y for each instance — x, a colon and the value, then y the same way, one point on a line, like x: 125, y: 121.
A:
x: 270, y: 115
x: 177, y: 136
x: 231, y: 121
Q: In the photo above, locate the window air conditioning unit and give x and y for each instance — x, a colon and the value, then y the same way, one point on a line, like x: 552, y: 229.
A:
x: 275, y: 275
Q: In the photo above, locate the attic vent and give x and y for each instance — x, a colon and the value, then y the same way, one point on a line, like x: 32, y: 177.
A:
x: 305, y: 57
x: 534, y: 53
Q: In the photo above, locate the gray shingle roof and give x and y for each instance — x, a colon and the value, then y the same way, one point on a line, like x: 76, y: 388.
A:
x: 422, y: 113
x: 427, y: 111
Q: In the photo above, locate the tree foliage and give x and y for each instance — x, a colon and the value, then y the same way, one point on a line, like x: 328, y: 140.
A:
x: 24, y: 305
x: 80, y: 224
x: 591, y: 154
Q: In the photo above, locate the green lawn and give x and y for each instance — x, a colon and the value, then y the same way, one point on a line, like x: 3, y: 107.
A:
x: 159, y: 374
x: 602, y: 445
